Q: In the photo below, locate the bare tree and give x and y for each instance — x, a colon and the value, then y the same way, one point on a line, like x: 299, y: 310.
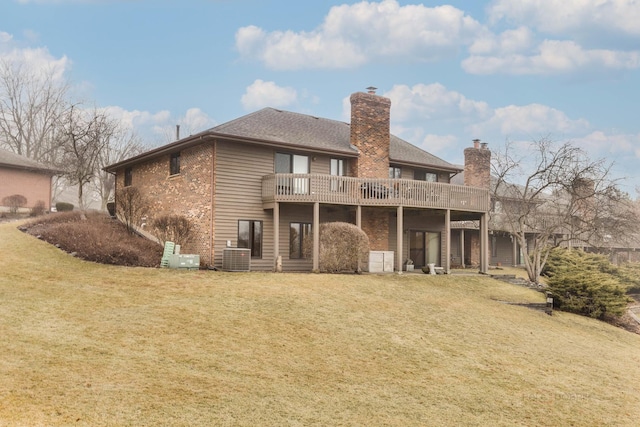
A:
x: 123, y: 144
x: 85, y: 135
x: 556, y: 195
x: 31, y: 106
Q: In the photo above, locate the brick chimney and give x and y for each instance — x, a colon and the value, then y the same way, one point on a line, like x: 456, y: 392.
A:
x: 370, y: 133
x: 477, y: 165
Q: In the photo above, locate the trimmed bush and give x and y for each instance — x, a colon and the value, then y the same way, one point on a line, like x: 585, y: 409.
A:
x: 343, y: 248
x: 173, y: 228
x: 64, y: 207
x: 586, y: 284
x: 14, y: 202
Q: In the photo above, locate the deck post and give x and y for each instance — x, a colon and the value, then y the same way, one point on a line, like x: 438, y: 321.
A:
x: 484, y: 244
x: 462, y: 254
x: 400, y: 244
x: 316, y: 237
x: 359, y: 217
x: 276, y: 234
x: 447, y: 241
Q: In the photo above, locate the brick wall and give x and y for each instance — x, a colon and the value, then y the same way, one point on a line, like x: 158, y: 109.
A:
x: 477, y: 165
x: 188, y: 193
x: 370, y: 127
x: 375, y: 223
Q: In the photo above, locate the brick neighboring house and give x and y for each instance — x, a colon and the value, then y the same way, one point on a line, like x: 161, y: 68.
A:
x: 26, y: 177
x: 503, y: 248
x: 266, y: 180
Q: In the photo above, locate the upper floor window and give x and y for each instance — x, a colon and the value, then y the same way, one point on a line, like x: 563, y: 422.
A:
x: 425, y: 176
x: 291, y: 163
x: 174, y: 164
x: 338, y: 167
x: 395, y: 172
x: 250, y: 236
x: 128, y: 177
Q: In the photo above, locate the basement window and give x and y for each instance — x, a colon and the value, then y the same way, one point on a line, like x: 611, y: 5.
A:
x: 298, y: 233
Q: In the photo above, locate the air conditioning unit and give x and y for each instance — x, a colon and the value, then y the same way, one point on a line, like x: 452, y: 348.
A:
x: 236, y: 259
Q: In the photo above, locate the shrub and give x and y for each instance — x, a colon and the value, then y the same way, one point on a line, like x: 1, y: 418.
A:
x: 14, y: 202
x: 97, y: 239
x: 130, y: 207
x: 343, y: 248
x: 173, y: 228
x: 586, y: 284
x: 38, y: 209
x: 64, y: 207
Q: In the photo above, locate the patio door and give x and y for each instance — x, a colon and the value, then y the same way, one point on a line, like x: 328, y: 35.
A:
x: 424, y: 248
x: 292, y: 164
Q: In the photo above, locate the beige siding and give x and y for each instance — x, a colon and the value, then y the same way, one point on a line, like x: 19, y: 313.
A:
x: 239, y: 171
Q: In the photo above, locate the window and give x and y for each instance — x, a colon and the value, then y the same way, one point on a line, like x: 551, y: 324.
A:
x: 128, y: 177
x: 292, y: 163
x: 395, y: 172
x: 174, y: 164
x: 338, y: 167
x: 298, y: 232
x: 425, y: 176
x: 250, y: 236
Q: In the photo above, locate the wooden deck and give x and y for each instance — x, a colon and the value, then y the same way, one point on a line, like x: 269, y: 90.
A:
x: 339, y: 190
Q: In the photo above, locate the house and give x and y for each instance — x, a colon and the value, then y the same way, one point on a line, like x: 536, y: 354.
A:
x: 20, y: 175
x: 504, y: 248
x: 266, y: 180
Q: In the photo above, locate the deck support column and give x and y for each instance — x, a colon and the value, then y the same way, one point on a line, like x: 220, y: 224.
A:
x: 359, y: 217
x: 399, y: 243
x: 316, y: 237
x: 447, y: 241
x: 276, y: 235
x: 462, y: 255
x: 484, y: 244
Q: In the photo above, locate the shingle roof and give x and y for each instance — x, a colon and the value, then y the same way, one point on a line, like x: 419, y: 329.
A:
x: 302, y: 130
x: 16, y: 161
x: 284, y: 128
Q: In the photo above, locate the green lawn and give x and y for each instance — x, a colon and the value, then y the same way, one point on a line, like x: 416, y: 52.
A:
x: 92, y: 345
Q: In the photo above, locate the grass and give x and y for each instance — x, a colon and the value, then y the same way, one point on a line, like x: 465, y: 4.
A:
x: 94, y: 345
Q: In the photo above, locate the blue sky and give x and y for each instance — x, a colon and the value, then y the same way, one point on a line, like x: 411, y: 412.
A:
x: 516, y: 70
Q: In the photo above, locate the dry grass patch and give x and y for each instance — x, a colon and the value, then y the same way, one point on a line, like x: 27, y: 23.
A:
x: 94, y: 345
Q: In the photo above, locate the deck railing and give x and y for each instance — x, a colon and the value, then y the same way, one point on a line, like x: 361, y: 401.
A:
x: 342, y: 190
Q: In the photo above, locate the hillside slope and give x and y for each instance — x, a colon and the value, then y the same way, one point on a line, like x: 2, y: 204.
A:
x: 94, y: 345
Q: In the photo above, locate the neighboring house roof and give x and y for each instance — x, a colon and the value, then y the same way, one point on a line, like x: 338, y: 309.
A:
x: 270, y: 126
x: 12, y: 160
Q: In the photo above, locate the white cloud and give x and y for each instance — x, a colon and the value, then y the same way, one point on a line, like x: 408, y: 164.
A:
x: 510, y: 41
x: 576, y: 17
x: 433, y: 102
x: 267, y: 94
x: 352, y: 35
x: 160, y: 127
x: 36, y: 61
x: 553, y: 57
x: 438, y: 143
x: 530, y: 121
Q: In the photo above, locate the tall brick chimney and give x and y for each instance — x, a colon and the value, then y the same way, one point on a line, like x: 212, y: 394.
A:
x: 477, y: 165
x: 370, y: 133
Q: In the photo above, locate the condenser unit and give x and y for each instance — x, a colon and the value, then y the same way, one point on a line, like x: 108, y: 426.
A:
x: 236, y: 259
